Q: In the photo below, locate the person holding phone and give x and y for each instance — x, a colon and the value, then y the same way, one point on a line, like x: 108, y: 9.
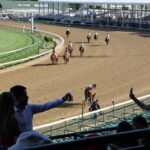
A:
x: 138, y: 102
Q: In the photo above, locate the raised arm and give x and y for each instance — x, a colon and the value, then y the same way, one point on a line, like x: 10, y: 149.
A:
x: 37, y: 108
x: 138, y: 102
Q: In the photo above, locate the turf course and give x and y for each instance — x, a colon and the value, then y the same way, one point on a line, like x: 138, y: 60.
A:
x: 12, y: 40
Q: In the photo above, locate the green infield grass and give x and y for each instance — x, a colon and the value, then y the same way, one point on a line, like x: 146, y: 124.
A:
x: 12, y: 40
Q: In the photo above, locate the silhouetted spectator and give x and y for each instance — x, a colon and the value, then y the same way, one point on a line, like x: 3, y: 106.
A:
x: 139, y: 103
x: 9, y: 128
x: 139, y: 122
x: 30, y: 139
x: 123, y: 127
x: 94, y: 105
x: 25, y: 111
x: 94, y: 147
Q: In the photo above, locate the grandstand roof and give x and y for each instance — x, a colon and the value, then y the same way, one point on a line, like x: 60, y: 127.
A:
x: 101, y: 1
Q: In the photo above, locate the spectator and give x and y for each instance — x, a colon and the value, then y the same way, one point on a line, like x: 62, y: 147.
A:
x: 94, y: 147
x: 123, y: 127
x: 139, y: 103
x: 30, y: 139
x: 140, y: 122
x: 25, y: 111
x: 9, y: 128
x: 94, y: 105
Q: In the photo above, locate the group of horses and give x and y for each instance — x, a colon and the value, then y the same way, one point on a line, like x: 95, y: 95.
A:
x: 69, y: 49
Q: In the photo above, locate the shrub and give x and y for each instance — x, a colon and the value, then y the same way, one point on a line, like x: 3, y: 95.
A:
x: 48, y: 38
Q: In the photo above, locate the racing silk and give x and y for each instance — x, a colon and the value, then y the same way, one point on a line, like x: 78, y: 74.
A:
x: 54, y: 55
x: 89, y: 34
x: 70, y: 45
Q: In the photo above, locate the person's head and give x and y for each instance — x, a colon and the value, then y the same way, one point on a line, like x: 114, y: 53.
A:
x: 124, y: 126
x: 89, y: 86
x: 30, y: 139
x: 53, y: 51
x: 94, y: 85
x: 9, y: 128
x: 21, y: 97
x: 96, y: 100
x: 139, y: 122
x: 6, y: 104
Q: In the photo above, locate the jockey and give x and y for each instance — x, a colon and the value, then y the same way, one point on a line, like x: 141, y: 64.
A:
x: 68, y: 29
x: 89, y: 34
x: 67, y: 51
x: 108, y: 36
x: 82, y: 45
x: 96, y: 34
x: 70, y: 44
x: 54, y: 53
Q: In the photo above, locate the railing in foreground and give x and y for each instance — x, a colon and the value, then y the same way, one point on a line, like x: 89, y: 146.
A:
x: 99, y: 142
x: 106, y: 117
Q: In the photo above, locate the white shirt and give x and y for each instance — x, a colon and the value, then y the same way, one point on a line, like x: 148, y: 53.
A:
x: 89, y: 34
x: 70, y: 44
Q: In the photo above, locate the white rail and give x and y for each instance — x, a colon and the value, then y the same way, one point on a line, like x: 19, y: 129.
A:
x: 86, y: 114
x: 58, y: 37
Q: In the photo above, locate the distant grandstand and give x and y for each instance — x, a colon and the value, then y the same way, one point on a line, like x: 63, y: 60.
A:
x: 129, y: 13
x: 124, y: 13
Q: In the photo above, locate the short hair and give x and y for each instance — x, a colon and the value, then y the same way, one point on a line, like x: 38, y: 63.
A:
x: 17, y: 90
x: 140, y: 122
x: 94, y: 85
x: 124, y: 126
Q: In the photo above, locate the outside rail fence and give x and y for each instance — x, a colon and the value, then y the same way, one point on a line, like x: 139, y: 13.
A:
x: 103, y: 118
x: 88, y: 24
x: 31, y: 52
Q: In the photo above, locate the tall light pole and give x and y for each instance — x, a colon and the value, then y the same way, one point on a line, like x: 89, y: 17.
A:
x: 32, y: 23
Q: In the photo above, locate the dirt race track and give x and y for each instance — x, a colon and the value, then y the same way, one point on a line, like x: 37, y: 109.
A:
x: 125, y: 63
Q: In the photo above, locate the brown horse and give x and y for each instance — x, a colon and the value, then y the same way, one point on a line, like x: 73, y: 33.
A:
x: 107, y: 40
x: 66, y: 57
x: 67, y: 33
x: 81, y: 49
x: 95, y: 37
x: 70, y: 50
x: 88, y: 39
x: 54, y: 58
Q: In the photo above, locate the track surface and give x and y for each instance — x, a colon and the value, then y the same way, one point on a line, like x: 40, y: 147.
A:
x: 125, y: 63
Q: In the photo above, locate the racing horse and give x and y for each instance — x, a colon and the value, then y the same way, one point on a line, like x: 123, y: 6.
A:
x: 107, y: 40
x: 67, y: 33
x: 81, y: 49
x: 66, y: 57
x: 88, y: 38
x: 95, y: 37
x: 54, y: 58
x: 70, y: 50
